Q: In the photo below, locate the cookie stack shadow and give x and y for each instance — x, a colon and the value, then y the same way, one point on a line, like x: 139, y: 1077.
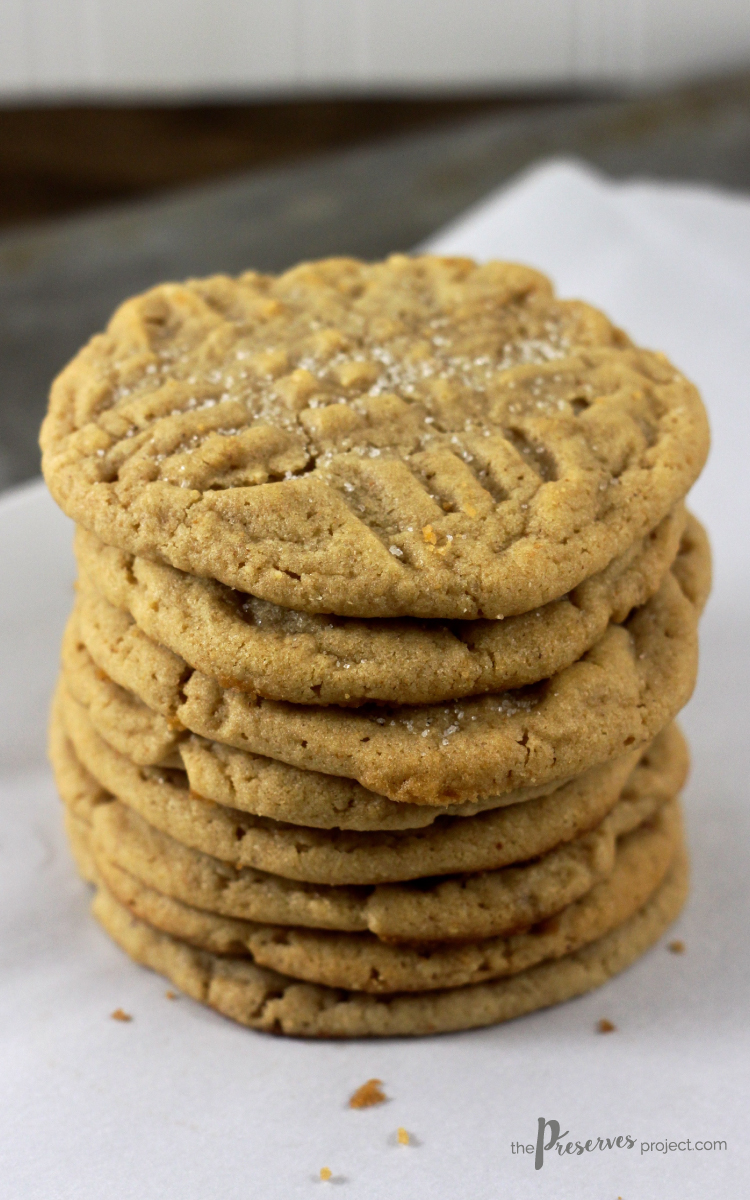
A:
x: 349, y: 825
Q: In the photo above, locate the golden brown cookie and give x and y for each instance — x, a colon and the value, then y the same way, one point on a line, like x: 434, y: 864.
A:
x: 455, y: 844
x: 266, y: 1000
x: 206, y: 882
x: 252, y: 782
x: 361, y: 962
x: 239, y: 779
x: 249, y: 644
x: 422, y: 436
x: 271, y: 788
x: 463, y: 906
x: 618, y: 696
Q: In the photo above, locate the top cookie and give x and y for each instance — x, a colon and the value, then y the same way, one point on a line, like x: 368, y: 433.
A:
x: 422, y: 437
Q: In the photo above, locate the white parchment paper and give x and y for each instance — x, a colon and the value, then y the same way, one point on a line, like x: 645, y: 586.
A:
x: 181, y: 1103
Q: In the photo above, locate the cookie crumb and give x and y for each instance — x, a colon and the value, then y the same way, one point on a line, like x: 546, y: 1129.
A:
x: 429, y: 535
x: 370, y: 1093
x: 119, y: 1015
x: 325, y: 1173
x: 171, y: 995
x: 605, y: 1026
x: 676, y: 947
x: 403, y: 1136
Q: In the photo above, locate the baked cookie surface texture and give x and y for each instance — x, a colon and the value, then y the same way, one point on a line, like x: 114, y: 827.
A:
x: 388, y: 599
x: 422, y: 437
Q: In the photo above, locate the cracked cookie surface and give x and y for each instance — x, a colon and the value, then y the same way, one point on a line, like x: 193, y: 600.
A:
x: 422, y: 437
x: 365, y: 963
x: 618, y: 696
x: 276, y: 1003
x: 484, y: 842
x: 148, y: 841
x: 249, y: 644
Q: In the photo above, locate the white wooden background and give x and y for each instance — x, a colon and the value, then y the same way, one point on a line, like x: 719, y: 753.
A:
x: 68, y: 48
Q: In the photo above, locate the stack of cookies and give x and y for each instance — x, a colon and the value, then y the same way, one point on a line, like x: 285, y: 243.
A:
x: 387, y: 602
